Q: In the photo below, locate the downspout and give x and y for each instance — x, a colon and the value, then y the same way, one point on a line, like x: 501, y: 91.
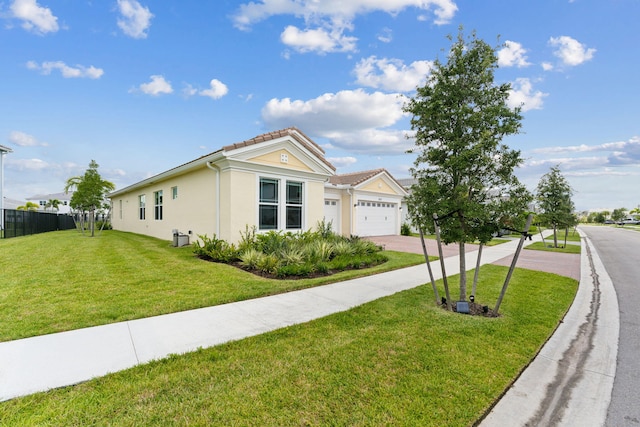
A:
x: 217, y: 170
x: 351, y: 207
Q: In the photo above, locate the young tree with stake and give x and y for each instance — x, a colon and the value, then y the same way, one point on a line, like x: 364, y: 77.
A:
x: 464, y: 173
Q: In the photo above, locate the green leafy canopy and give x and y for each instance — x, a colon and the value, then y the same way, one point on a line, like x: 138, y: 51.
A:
x: 462, y: 168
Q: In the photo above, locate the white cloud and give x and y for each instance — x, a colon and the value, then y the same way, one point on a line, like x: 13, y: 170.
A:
x: 27, y: 164
x: 189, y: 90
x: 326, y: 21
x: 319, y: 40
x: 570, y: 51
x: 391, y: 74
x: 547, y: 66
x: 79, y: 71
x: 135, y: 20
x: 157, y: 86
x: 216, y: 91
x: 25, y: 140
x: 342, y: 162
x: 513, y: 54
x: 386, y: 35
x: 352, y: 120
x: 522, y: 94
x: 250, y: 13
x: 35, y: 18
x: 620, y: 152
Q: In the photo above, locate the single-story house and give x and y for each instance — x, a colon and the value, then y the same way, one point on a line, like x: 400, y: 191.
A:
x: 276, y: 181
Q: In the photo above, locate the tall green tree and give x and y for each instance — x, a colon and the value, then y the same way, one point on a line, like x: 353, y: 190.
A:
x: 619, y: 214
x: 464, y: 173
x: 90, y: 193
x: 554, y: 201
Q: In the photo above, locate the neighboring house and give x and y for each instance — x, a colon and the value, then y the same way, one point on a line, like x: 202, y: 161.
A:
x: 406, y: 184
x: 11, y: 203
x: 42, y: 199
x: 275, y: 181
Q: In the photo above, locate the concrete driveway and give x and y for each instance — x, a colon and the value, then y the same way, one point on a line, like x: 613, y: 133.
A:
x: 550, y: 262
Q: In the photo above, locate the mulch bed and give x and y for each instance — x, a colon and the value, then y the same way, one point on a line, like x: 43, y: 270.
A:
x: 475, y: 309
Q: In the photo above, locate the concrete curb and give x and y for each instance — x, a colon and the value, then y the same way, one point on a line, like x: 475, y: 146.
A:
x: 569, y: 382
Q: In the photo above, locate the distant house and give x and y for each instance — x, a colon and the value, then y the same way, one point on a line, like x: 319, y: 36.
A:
x: 42, y: 201
x: 276, y: 181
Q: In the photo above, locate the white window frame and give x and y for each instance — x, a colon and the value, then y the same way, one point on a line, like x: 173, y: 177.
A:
x: 281, y: 204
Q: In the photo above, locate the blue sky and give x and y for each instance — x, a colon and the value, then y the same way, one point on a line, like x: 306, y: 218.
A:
x: 144, y: 86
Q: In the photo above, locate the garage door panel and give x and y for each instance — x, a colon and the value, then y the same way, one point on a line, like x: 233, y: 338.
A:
x: 376, y: 218
x: 332, y: 214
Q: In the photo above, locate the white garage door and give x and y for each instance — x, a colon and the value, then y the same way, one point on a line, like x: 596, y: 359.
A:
x: 332, y: 213
x: 376, y: 218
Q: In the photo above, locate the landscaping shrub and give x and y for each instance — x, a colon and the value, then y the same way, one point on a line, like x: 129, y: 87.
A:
x: 292, y: 254
x: 405, y: 229
x: 216, y: 249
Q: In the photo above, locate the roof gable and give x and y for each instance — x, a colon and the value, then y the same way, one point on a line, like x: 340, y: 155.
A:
x: 291, y: 133
x: 371, y: 180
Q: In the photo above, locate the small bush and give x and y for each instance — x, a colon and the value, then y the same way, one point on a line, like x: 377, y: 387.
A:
x: 250, y: 258
x: 216, y: 249
x: 342, y: 248
x: 292, y: 255
x: 268, y: 263
x: 247, y: 239
x: 271, y: 242
x: 405, y: 229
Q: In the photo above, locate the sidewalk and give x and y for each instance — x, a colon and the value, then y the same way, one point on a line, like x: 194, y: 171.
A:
x: 49, y: 361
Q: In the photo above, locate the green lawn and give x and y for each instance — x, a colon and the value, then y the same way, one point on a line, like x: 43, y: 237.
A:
x: 399, y: 360
x: 64, y: 280
x: 569, y: 249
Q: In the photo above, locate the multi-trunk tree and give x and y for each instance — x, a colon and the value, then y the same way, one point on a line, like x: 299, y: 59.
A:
x: 90, y: 192
x: 464, y: 173
x: 554, y: 201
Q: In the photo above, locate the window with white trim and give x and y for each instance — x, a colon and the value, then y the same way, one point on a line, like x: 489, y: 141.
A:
x: 268, y: 206
x: 277, y: 209
x: 157, y: 196
x: 142, y: 207
x: 294, y: 205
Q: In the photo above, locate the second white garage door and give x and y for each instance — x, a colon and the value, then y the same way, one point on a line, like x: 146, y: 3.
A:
x: 376, y: 218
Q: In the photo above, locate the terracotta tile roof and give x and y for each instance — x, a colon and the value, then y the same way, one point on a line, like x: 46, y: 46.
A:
x: 356, y: 178
x: 294, y: 132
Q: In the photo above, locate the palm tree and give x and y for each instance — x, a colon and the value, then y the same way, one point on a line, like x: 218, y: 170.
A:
x: 29, y: 206
x: 53, y: 204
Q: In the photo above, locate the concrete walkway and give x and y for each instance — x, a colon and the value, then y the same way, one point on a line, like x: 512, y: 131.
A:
x: 568, y: 383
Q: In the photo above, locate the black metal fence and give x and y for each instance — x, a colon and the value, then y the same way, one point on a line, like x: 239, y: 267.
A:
x: 22, y: 223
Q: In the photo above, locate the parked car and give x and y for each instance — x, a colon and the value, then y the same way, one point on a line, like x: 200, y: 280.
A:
x: 630, y: 221
x: 609, y: 221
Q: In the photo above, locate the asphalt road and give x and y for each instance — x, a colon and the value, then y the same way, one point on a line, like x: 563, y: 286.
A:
x: 619, y: 250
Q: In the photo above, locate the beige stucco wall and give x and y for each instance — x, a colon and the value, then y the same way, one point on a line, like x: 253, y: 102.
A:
x: 238, y: 203
x: 315, y: 204
x: 193, y: 210
x: 275, y: 159
x: 378, y: 186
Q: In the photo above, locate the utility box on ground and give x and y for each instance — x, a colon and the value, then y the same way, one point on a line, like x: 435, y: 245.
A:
x: 180, y: 239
